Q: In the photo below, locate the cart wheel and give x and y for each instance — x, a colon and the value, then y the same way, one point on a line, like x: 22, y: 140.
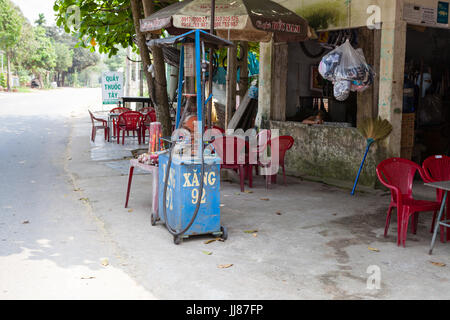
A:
x: 153, y: 219
x: 177, y: 240
x: 224, y: 233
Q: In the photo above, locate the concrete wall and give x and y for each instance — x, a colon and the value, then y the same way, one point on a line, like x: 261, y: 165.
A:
x: 328, y: 152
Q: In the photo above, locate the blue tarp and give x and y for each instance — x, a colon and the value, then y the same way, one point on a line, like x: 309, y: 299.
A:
x: 253, y: 69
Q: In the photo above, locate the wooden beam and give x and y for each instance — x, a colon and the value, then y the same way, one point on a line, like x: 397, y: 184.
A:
x: 392, y: 69
x: 234, y: 122
x: 279, y: 82
x: 231, y: 83
x: 365, y: 99
x: 243, y: 75
x: 264, y: 83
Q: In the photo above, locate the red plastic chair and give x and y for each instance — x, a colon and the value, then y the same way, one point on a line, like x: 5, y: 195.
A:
x: 217, y: 128
x: 129, y: 121
x: 146, y: 120
x: 95, y: 127
x: 119, y: 110
x: 147, y: 110
x: 437, y: 168
x: 231, y: 150
x: 212, y: 133
x: 397, y: 174
x: 284, y: 143
x: 262, y: 140
x: 114, y: 122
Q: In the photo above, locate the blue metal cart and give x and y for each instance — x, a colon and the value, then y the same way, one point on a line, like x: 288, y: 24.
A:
x: 189, y: 193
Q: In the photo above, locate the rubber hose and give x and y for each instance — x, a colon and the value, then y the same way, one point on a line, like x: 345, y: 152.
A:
x: 166, y: 180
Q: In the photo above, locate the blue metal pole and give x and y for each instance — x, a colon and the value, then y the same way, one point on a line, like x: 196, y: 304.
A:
x: 369, y: 143
x: 180, y: 87
x: 198, y: 65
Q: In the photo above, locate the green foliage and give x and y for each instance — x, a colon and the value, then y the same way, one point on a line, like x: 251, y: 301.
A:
x: 108, y: 22
x: 10, y: 25
x: 82, y: 58
x: 24, y: 77
x: 223, y: 52
x: 43, y: 54
x: 40, y: 49
x: 117, y: 61
x: 41, y: 20
x: 3, y: 80
x: 64, y: 57
x: 324, y: 14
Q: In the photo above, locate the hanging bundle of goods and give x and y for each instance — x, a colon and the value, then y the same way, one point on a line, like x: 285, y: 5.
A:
x: 155, y: 147
x: 347, y: 69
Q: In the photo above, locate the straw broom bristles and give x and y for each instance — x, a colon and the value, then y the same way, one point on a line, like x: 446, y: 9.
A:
x: 375, y: 129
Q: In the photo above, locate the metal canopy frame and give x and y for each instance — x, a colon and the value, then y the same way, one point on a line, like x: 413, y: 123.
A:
x: 197, y: 37
x: 209, y: 39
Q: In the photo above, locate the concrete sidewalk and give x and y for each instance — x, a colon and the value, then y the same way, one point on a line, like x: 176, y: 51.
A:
x: 313, y: 240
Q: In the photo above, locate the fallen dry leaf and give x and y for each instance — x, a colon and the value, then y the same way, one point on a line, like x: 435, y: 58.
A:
x: 225, y: 266
x: 374, y: 249
x: 250, y: 231
x: 208, y: 253
x: 265, y: 199
x: 210, y: 241
x: 255, y: 235
x: 105, y: 262
x: 438, y: 264
x: 278, y: 213
x: 87, y: 278
x: 25, y: 222
x: 131, y: 210
x: 247, y: 191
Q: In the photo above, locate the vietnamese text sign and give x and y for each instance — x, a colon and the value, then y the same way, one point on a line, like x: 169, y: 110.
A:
x: 443, y: 12
x: 417, y: 14
x: 112, y: 87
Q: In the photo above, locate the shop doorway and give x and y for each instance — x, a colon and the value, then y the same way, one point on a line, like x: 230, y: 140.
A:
x: 426, y: 99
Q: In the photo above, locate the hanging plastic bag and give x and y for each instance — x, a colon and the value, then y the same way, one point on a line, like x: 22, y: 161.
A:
x: 342, y: 89
x: 347, y: 69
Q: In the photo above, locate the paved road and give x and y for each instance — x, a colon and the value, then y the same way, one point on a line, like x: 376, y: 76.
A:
x: 64, y: 233
x: 51, y: 246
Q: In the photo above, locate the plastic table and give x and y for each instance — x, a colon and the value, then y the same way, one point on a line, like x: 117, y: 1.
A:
x: 155, y: 184
x: 443, y: 185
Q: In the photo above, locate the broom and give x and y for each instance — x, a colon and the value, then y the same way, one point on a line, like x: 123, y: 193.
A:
x: 373, y: 130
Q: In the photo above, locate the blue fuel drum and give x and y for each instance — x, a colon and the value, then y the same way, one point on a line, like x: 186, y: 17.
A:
x: 183, y: 195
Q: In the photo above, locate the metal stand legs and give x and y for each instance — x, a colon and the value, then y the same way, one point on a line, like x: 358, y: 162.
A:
x: 439, y: 222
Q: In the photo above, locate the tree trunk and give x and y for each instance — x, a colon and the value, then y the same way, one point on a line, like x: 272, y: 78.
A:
x: 41, y: 83
x: 160, y: 86
x: 8, y: 71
